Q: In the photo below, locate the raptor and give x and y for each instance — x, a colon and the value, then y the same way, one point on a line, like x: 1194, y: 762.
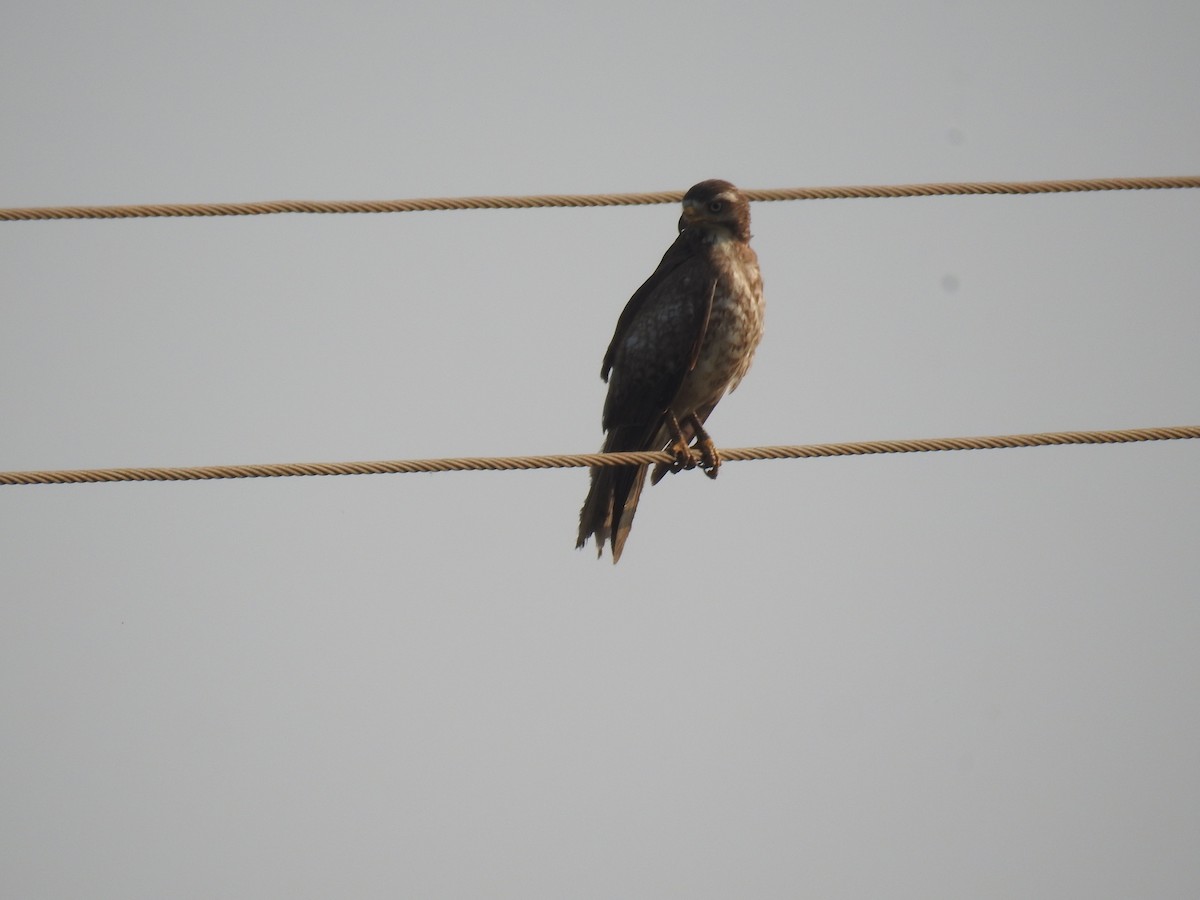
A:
x: 685, y: 338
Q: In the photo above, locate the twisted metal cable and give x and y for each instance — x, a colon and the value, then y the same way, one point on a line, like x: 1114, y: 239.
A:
x: 270, y: 207
x: 580, y: 460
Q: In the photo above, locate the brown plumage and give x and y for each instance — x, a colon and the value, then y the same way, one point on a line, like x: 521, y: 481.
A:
x: 684, y: 339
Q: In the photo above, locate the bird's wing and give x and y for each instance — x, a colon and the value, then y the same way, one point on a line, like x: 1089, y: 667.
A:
x: 677, y: 254
x: 656, y: 345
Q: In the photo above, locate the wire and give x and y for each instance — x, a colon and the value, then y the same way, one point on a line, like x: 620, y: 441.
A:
x: 493, y: 463
x: 574, y: 200
x: 591, y: 459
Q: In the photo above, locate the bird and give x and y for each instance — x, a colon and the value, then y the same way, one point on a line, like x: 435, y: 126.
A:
x: 686, y: 338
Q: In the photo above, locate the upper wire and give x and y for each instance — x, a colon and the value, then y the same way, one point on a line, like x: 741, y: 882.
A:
x: 272, y: 207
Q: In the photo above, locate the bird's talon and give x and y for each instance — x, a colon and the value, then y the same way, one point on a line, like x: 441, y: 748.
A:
x: 683, y: 457
x: 710, y: 458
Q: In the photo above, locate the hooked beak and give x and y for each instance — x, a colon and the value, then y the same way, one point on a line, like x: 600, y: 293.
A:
x: 691, y: 214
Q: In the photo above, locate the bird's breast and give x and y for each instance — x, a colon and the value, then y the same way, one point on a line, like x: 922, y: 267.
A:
x: 735, y: 327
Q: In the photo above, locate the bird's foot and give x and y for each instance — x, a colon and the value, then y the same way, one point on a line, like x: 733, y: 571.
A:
x: 679, y: 446
x: 683, y: 456
x: 710, y: 457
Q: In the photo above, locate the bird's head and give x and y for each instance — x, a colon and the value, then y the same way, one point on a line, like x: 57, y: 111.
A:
x: 716, y: 206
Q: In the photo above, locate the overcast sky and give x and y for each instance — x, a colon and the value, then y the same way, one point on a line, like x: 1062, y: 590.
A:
x: 948, y: 675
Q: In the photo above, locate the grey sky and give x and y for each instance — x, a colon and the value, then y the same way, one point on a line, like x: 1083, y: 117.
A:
x: 955, y: 675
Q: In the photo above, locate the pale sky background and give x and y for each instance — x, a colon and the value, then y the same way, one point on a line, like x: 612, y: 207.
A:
x: 955, y: 675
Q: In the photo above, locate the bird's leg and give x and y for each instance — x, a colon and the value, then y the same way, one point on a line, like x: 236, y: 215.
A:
x: 679, y: 445
x: 710, y: 459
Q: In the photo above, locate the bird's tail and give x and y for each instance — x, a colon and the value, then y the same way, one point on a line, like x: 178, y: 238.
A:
x: 612, y: 500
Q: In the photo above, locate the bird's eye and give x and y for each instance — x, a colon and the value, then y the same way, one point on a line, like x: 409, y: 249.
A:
x: 715, y: 206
